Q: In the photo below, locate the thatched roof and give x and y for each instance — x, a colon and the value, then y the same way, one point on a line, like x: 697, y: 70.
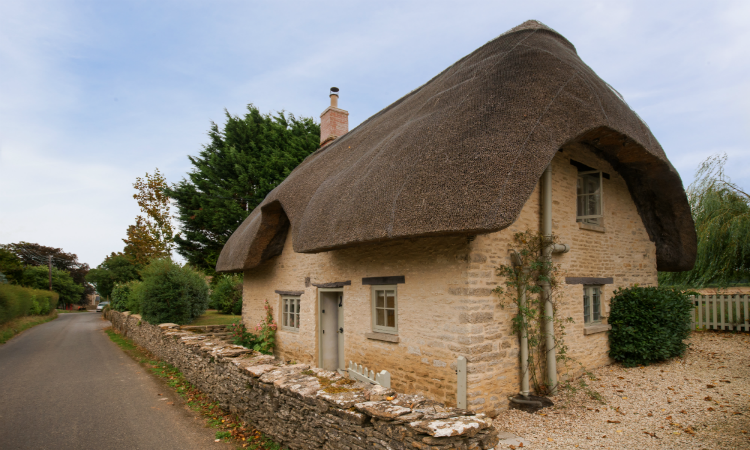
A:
x: 461, y: 155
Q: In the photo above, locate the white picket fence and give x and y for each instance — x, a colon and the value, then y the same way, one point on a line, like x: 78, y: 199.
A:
x: 357, y: 372
x: 721, y: 312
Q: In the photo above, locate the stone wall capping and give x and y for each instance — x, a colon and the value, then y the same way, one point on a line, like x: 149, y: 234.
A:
x: 293, y: 403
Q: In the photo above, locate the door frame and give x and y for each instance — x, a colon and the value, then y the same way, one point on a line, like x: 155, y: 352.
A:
x: 340, y: 312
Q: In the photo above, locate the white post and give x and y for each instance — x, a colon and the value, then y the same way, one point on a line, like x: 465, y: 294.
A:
x: 461, y: 385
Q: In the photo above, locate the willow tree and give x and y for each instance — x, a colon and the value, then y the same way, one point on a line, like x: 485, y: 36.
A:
x: 721, y: 211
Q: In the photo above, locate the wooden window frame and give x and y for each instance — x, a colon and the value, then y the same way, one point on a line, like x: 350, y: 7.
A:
x: 295, y: 301
x: 590, y: 293
x: 592, y: 219
x: 380, y: 328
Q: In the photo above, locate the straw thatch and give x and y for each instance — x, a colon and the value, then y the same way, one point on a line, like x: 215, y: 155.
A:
x: 462, y: 153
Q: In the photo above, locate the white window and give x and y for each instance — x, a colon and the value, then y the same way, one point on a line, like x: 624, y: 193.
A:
x: 384, y: 309
x: 592, y: 304
x: 290, y: 313
x: 589, y: 197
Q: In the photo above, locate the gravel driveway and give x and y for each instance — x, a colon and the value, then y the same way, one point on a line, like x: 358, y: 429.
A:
x: 700, y: 401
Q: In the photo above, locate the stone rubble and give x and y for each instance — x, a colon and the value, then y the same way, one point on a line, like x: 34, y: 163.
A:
x: 300, y: 407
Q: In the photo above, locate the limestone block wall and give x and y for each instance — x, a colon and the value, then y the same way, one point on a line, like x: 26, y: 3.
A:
x: 621, y: 249
x: 292, y: 404
x: 431, y: 307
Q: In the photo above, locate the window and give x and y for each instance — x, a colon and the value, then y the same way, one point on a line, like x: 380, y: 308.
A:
x: 290, y: 313
x: 592, y: 304
x: 384, y: 309
x: 589, y: 197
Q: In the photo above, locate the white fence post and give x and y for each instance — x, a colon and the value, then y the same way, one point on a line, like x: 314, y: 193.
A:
x: 359, y: 373
x: 461, y: 385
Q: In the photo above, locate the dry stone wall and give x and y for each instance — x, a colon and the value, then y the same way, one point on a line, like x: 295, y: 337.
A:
x: 307, y: 408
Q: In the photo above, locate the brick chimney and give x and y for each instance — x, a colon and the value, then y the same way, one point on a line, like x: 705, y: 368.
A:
x: 334, y: 122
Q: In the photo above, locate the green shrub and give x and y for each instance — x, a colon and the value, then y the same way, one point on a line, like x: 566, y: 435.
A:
x: 37, y: 277
x: 264, y: 338
x: 119, y: 298
x: 649, y: 324
x: 226, y: 295
x: 17, y: 301
x: 127, y: 296
x: 171, y: 293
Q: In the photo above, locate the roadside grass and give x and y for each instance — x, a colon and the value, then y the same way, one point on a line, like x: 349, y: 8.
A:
x: 214, y: 317
x: 19, y: 324
x: 65, y: 311
x: 229, y: 426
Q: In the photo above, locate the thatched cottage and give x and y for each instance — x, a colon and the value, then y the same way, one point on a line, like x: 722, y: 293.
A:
x: 381, y: 247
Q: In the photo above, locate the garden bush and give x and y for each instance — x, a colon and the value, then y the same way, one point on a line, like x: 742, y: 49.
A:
x: 127, y: 296
x: 37, y: 277
x: 17, y: 301
x: 649, y: 324
x: 226, y: 295
x: 170, y: 293
x: 263, y: 339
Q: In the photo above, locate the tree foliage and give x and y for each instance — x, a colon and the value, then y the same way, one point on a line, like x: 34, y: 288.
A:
x: 31, y: 254
x: 11, y: 266
x: 152, y: 236
x: 226, y: 295
x: 37, y: 277
x: 721, y: 212
x: 243, y: 161
x: 172, y: 293
x: 116, y: 268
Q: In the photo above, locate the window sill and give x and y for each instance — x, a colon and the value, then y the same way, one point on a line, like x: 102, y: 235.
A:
x: 591, y: 227
x: 596, y: 328
x: 383, y: 337
x: 290, y: 330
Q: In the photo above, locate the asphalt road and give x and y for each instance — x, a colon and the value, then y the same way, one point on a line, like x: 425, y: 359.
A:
x: 66, y: 385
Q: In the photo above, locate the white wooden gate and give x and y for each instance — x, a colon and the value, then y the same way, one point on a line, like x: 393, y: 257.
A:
x: 721, y: 312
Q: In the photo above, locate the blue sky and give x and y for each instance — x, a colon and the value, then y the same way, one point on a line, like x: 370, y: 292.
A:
x: 96, y: 93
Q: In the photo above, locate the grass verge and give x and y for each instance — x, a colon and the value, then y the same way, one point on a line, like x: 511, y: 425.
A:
x: 17, y: 325
x: 213, y: 317
x: 229, y: 426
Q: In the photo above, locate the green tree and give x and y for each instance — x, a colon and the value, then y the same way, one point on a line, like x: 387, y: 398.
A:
x: 152, y: 236
x: 37, y: 277
x: 721, y: 212
x: 244, y: 160
x: 11, y: 266
x: 172, y: 293
x: 32, y: 254
x: 116, y: 268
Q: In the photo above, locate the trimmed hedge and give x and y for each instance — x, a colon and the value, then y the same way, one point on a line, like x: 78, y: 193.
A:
x: 17, y: 301
x: 127, y: 296
x: 649, y: 324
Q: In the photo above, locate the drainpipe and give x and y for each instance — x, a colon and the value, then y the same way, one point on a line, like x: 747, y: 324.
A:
x: 524, y: 345
x: 549, y: 324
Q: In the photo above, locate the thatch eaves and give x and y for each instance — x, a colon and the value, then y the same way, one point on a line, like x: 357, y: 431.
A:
x: 462, y: 154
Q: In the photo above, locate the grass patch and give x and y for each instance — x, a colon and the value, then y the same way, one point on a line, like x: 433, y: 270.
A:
x: 213, y: 317
x: 229, y: 427
x: 19, y: 324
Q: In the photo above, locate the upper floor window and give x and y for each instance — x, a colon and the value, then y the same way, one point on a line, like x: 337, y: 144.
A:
x: 384, y: 309
x: 589, y: 208
x: 592, y: 304
x: 290, y: 313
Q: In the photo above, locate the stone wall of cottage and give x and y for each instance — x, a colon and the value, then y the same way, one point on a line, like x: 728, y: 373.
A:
x: 431, y: 304
x: 306, y: 408
x: 620, y: 249
x: 446, y: 308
